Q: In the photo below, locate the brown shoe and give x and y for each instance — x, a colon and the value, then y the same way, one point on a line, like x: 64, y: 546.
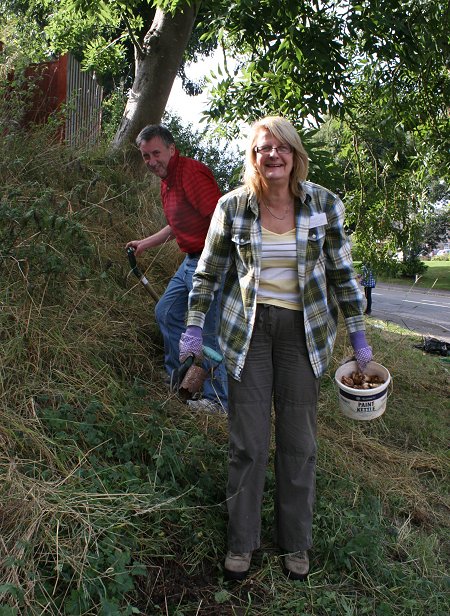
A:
x: 296, y: 565
x: 237, y: 565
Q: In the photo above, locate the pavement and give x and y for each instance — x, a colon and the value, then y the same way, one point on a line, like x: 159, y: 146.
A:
x: 419, y: 310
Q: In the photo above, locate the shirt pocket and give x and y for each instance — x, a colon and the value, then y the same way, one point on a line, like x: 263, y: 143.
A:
x: 243, y: 252
x: 316, y: 240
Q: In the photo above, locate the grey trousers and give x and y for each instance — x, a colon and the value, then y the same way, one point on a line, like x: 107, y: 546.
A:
x: 277, y: 368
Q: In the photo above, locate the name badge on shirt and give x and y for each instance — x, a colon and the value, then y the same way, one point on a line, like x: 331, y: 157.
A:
x: 318, y: 220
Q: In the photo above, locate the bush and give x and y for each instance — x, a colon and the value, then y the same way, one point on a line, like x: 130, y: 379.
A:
x: 411, y: 268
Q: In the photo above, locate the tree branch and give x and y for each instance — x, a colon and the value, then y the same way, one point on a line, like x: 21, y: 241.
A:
x: 140, y: 52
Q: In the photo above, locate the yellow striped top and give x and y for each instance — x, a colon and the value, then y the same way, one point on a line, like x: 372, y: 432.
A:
x: 278, y: 283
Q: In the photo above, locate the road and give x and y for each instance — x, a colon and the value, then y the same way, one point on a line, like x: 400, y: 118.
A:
x: 425, y: 312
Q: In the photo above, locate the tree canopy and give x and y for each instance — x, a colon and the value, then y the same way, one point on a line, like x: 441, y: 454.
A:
x: 300, y: 58
x: 381, y: 68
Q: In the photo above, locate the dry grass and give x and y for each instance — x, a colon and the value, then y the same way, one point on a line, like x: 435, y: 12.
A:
x: 402, y: 454
x: 69, y: 506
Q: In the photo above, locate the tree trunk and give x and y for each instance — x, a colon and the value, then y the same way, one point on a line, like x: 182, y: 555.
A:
x: 157, y: 67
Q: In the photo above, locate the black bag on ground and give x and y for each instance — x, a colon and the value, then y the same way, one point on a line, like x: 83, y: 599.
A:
x: 434, y: 345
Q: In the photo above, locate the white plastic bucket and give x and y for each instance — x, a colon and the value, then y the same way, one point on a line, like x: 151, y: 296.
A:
x: 362, y: 404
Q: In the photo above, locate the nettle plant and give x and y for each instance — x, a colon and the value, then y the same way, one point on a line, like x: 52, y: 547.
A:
x: 39, y: 237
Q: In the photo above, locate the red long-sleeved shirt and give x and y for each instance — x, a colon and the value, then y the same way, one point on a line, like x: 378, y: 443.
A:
x: 189, y: 196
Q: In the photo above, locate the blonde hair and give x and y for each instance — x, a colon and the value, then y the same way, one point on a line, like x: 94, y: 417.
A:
x: 282, y: 130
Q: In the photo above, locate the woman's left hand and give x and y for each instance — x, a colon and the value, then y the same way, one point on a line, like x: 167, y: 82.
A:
x: 362, y: 350
x: 191, y: 343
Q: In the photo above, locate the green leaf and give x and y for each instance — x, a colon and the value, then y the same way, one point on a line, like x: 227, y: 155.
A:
x: 222, y: 596
x: 11, y: 589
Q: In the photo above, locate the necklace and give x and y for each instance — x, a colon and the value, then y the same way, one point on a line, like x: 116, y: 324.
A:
x: 272, y: 214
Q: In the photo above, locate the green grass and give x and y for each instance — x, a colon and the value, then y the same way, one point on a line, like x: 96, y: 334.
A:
x: 112, y: 493
x: 436, y: 276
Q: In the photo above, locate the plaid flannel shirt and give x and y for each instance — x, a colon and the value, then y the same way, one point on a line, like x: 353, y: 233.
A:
x: 325, y: 274
x: 367, y: 278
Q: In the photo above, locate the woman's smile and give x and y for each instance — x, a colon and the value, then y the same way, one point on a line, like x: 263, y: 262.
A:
x: 271, y: 163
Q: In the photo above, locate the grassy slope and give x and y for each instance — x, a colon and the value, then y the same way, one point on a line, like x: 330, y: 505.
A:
x: 112, y: 493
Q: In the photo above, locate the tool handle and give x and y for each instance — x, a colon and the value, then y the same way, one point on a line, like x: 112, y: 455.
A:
x: 212, y: 354
x: 132, y: 260
x: 136, y: 271
x: 207, y: 352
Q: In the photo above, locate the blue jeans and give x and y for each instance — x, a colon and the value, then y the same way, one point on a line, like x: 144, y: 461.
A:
x: 170, y: 314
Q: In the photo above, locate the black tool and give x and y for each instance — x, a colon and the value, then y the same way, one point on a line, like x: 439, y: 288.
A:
x: 136, y: 271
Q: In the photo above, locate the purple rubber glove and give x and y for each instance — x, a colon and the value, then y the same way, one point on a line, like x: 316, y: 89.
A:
x: 363, y: 352
x: 191, y: 343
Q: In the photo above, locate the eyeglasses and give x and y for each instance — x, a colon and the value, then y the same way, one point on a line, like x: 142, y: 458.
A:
x: 284, y: 148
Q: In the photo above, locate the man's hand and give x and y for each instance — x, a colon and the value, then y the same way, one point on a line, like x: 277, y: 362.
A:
x: 191, y: 343
x: 363, y: 352
x: 137, y: 246
x: 152, y: 241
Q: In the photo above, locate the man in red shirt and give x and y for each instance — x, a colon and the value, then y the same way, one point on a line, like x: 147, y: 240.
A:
x: 189, y: 194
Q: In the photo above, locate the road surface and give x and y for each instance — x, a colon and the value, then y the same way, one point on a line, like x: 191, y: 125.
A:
x: 425, y: 312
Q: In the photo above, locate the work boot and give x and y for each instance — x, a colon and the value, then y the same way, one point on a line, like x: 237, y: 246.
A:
x: 237, y: 565
x: 296, y: 565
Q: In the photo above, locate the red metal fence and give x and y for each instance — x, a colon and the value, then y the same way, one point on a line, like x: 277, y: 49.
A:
x: 61, y: 86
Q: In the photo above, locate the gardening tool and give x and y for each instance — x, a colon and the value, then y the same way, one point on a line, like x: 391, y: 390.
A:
x: 136, y: 271
x: 189, y: 378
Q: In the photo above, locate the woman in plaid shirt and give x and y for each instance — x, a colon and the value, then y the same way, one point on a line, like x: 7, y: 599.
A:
x: 279, y: 241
